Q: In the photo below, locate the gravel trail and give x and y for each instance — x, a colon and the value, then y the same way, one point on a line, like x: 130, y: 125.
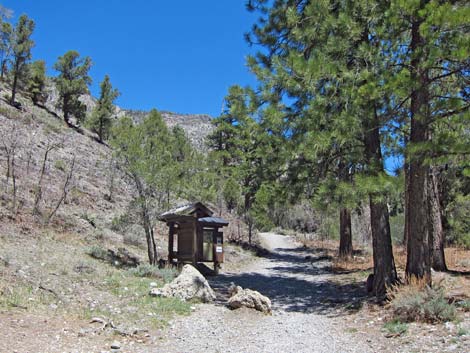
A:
x: 307, y: 308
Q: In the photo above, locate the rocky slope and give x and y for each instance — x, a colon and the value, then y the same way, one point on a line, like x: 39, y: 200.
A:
x: 196, y: 126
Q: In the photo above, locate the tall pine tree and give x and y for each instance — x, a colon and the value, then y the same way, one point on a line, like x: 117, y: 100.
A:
x: 21, y: 52
x: 101, y: 119
x: 72, y: 82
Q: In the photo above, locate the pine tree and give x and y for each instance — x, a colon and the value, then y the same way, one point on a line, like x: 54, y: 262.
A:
x: 101, y: 119
x: 5, y: 46
x: 37, y: 81
x: 143, y: 153
x: 326, y: 58
x: 21, y: 52
x: 237, y: 140
x: 431, y: 46
x: 72, y: 82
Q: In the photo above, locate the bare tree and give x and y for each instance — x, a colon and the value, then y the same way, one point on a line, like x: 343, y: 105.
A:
x: 50, y: 146
x: 10, y: 144
x: 65, y: 189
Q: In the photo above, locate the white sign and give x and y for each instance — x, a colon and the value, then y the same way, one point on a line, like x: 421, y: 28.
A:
x: 218, y: 249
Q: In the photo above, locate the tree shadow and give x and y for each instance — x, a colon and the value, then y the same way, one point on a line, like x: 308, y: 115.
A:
x: 296, y: 284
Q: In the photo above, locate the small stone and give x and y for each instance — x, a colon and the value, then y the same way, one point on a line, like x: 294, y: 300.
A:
x: 153, y: 284
x: 115, y: 345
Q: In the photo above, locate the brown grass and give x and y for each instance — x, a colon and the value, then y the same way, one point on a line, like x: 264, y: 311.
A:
x: 457, y: 259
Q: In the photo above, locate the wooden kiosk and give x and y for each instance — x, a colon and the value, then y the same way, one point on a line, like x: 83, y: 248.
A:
x: 194, y: 235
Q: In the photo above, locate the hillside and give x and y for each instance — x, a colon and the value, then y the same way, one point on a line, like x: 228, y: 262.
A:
x: 46, y: 269
x: 196, y: 126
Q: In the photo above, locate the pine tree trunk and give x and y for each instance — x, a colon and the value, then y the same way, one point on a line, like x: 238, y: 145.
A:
x: 418, y: 262
x: 406, y: 230
x: 345, y: 240
x: 146, y: 223
x: 65, y: 108
x: 385, y: 273
x: 15, y: 83
x: 436, y: 231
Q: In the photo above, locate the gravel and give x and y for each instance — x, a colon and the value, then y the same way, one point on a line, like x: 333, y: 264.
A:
x: 302, y: 321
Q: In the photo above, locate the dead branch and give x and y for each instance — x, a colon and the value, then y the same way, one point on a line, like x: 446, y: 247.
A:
x: 65, y: 190
x: 38, y: 197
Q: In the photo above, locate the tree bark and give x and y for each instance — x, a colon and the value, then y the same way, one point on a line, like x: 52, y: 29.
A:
x: 345, y: 232
x: 146, y: 222
x: 418, y: 262
x: 406, y: 228
x: 385, y: 273
x: 15, y: 83
x: 436, y: 231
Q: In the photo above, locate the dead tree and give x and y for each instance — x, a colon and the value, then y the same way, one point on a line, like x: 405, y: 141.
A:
x: 10, y: 143
x: 65, y: 190
x: 38, y: 193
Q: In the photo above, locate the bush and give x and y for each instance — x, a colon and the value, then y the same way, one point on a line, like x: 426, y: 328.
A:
x: 146, y: 270
x: 416, y: 302
x: 396, y: 327
x: 133, y: 239
x: 97, y: 252
x: 60, y: 165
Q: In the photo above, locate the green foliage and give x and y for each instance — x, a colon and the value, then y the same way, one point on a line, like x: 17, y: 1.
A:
x: 133, y: 290
x: 231, y: 193
x: 6, y: 32
x: 73, y: 81
x: 101, y: 119
x: 21, y: 51
x: 97, y: 252
x: 397, y: 224
x: 247, y: 150
x: 396, y: 327
x: 60, y: 165
x: 458, y: 211
x: 37, y: 81
x: 151, y: 271
x: 422, y: 304
x: 161, y: 165
x: 261, y: 208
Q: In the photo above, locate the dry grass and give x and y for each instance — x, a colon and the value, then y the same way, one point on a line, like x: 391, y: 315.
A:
x: 457, y: 259
x: 416, y: 301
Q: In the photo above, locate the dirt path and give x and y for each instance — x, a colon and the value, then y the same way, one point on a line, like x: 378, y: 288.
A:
x: 308, y: 306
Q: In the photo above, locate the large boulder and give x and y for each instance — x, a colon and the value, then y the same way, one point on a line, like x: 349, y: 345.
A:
x: 249, y: 299
x: 190, y: 284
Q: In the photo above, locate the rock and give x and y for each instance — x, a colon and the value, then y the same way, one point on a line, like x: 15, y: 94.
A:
x: 123, y: 258
x: 115, y: 345
x: 190, y: 284
x: 249, y: 299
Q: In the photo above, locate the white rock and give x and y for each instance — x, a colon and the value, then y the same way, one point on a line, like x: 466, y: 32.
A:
x: 249, y: 299
x: 190, y: 284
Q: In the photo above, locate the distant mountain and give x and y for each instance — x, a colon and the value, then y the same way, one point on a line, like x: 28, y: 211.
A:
x: 196, y: 126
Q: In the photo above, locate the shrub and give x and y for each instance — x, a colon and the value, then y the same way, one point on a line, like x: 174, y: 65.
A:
x: 132, y: 239
x: 97, y: 252
x: 417, y: 302
x: 396, y: 327
x: 60, y: 165
x: 146, y: 270
x: 463, y: 304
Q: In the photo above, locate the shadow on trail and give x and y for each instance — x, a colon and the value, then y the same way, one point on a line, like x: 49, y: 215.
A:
x: 297, y: 281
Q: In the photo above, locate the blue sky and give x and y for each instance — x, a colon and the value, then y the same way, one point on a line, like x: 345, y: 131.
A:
x: 179, y: 56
